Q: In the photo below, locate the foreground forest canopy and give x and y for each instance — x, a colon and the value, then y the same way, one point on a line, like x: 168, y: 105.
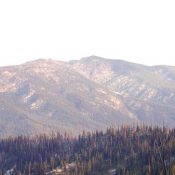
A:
x: 140, y: 150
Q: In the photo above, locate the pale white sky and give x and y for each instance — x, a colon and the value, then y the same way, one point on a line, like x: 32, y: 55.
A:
x: 141, y: 31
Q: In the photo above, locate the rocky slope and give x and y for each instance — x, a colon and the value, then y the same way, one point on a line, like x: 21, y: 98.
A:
x: 46, y: 95
x: 87, y: 94
x: 149, y: 92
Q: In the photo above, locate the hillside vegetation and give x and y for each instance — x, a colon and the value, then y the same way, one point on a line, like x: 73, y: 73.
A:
x: 123, y: 151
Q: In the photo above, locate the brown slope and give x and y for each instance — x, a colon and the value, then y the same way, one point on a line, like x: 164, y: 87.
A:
x: 149, y: 92
x: 46, y: 95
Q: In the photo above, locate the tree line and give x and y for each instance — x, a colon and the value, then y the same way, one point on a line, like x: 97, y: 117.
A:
x: 139, y: 150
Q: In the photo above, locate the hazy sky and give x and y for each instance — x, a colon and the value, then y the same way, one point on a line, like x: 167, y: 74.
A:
x: 141, y: 31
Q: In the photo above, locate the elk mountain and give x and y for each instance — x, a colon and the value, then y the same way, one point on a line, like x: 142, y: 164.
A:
x: 88, y: 94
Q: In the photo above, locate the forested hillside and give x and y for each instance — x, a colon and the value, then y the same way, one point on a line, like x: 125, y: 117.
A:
x: 126, y: 150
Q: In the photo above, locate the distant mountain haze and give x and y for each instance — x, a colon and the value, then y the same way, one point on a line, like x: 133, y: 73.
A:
x: 88, y: 94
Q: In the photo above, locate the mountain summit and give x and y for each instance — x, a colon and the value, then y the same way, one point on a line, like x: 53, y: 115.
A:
x: 87, y: 94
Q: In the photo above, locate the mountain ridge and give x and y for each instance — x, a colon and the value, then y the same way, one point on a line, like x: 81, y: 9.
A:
x: 46, y: 95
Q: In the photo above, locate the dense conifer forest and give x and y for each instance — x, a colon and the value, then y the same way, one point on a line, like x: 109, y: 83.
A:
x: 140, y: 150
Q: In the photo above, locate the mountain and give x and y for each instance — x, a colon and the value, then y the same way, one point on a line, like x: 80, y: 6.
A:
x: 148, y: 91
x: 88, y: 94
x: 46, y: 95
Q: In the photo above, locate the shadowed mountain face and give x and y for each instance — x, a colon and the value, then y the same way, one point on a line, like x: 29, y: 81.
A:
x: 92, y: 93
